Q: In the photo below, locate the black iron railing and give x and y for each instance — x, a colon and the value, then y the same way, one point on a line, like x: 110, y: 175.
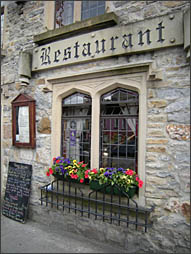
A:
x: 116, y: 209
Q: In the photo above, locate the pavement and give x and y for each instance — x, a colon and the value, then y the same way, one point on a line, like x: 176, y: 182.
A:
x: 34, y: 237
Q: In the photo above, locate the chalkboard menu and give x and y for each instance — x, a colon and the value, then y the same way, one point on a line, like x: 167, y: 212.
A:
x: 17, y: 191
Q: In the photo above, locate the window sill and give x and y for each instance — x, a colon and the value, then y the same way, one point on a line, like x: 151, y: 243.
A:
x: 92, y: 24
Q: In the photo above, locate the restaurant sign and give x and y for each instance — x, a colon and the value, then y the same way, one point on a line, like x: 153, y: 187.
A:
x: 151, y: 34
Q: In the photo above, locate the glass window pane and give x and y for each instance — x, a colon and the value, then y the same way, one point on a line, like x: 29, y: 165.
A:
x: 64, y: 13
x: 119, y: 116
x: 91, y: 9
x: 115, y: 96
x: 76, y: 127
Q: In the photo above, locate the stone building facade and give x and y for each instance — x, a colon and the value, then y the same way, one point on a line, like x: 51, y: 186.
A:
x: 160, y: 75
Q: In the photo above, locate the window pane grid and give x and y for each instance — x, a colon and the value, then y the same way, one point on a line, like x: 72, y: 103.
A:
x: 92, y: 9
x: 76, y: 128
x: 118, y: 139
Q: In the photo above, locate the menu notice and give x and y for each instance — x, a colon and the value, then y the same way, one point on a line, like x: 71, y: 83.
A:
x: 17, y: 191
x: 22, y: 134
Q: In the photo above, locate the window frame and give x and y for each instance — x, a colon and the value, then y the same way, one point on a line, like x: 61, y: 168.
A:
x: 81, y: 143
x: 96, y: 86
x: 50, y: 13
x: 116, y: 117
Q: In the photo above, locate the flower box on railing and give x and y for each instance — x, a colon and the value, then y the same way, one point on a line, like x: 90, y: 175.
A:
x: 69, y: 179
x: 110, y: 180
x: 113, y: 189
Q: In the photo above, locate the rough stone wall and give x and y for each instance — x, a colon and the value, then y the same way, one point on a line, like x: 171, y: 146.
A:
x: 168, y: 130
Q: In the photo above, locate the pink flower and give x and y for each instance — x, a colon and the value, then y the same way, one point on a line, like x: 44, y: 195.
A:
x: 137, y: 179
x: 131, y: 172
x: 57, y: 161
x: 81, y: 162
x: 84, y: 165
x: 140, y: 184
x: 72, y: 176
x: 94, y: 171
x: 47, y: 173
x: 54, y: 159
x: 86, y: 176
x: 51, y: 171
x: 81, y: 180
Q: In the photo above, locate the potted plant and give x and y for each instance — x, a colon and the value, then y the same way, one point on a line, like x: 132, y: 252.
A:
x: 118, y: 180
x: 65, y: 168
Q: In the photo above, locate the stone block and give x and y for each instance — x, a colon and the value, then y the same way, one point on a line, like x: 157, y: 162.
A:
x: 157, y: 141
x: 150, y: 158
x: 40, y: 81
x: 26, y: 154
x: 171, y: 4
x: 179, y: 117
x: 151, y: 93
x: 156, y: 133
x: 44, y: 126
x: 156, y: 149
x: 7, y: 131
x: 18, y: 85
x: 158, y: 118
x: 185, y: 208
x: 172, y: 93
x: 182, y: 104
x: 155, y: 125
x: 157, y: 104
x: 178, y: 131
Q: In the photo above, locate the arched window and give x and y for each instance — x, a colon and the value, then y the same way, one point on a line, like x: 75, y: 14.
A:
x: 76, y: 127
x: 119, y: 129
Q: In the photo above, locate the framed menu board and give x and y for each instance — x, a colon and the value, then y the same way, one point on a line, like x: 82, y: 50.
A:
x: 23, y: 121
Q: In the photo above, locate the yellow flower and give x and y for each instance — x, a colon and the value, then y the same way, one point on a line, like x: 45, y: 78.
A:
x: 74, y: 161
x: 69, y: 167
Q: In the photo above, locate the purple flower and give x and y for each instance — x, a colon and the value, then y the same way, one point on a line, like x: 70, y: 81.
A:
x: 67, y: 161
x: 106, y: 174
x: 57, y: 169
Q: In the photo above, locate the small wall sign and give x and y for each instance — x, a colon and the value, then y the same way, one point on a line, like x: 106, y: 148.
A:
x: 23, y: 121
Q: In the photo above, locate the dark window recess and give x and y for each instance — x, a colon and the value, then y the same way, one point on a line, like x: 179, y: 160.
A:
x: 64, y: 13
x: 92, y: 8
x: 76, y: 127
x: 119, y: 129
x: 67, y: 197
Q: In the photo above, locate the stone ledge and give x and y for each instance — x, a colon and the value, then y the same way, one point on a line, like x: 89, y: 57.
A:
x: 85, y: 26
